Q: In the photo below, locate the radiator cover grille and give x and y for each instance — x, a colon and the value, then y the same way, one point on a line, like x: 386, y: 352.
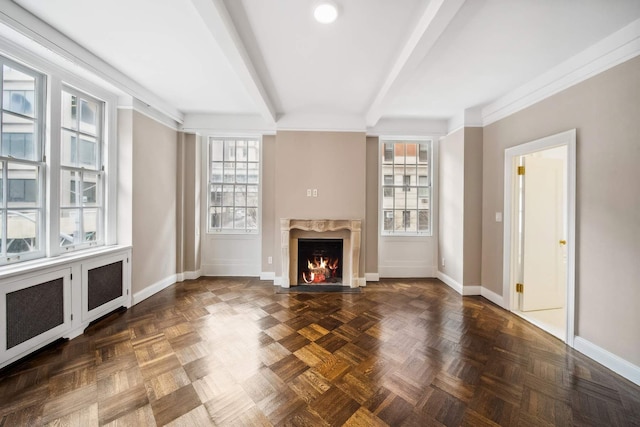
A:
x: 104, y: 284
x: 34, y: 310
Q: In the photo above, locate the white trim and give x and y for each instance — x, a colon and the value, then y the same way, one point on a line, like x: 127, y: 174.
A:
x: 188, y: 275
x: 568, y: 139
x: 268, y: 275
x: 277, y: 281
x: 492, y: 296
x: 471, y: 290
x: 153, y: 289
x: 359, y: 282
x: 371, y: 277
x: 615, y: 49
x: 152, y: 113
x: 608, y: 359
x: 408, y: 270
x: 449, y: 281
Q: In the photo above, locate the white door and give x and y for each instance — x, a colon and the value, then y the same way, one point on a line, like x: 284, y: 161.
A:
x: 543, y: 260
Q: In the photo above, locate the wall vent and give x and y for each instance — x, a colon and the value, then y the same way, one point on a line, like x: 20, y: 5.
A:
x: 34, y: 310
x: 104, y: 284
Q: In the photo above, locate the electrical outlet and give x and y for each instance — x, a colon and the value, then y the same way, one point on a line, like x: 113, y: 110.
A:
x: 315, y: 192
x: 308, y: 192
x: 270, y: 260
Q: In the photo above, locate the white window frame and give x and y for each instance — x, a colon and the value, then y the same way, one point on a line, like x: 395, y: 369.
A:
x: 401, y: 188
x: 79, y: 243
x: 40, y: 101
x: 209, y: 183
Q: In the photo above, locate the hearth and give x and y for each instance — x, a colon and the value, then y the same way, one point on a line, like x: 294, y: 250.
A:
x: 319, y: 261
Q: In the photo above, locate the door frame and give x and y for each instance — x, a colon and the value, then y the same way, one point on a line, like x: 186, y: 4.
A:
x: 567, y: 139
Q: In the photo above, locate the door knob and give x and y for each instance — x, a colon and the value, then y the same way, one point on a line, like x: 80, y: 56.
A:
x: 563, y: 242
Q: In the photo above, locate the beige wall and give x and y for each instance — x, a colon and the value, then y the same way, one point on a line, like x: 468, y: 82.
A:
x: 605, y: 110
x: 472, y: 252
x: 451, y: 205
x: 331, y: 162
x: 154, y: 202
x: 268, y: 202
x: 373, y: 190
x: 188, y: 203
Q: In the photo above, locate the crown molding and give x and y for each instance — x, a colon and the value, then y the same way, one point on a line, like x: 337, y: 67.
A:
x: 613, y: 50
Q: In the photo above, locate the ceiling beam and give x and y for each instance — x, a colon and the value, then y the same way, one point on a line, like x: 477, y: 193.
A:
x: 216, y: 18
x: 435, y: 19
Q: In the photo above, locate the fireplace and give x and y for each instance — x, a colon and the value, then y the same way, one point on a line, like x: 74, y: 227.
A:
x: 346, y: 230
x: 319, y: 261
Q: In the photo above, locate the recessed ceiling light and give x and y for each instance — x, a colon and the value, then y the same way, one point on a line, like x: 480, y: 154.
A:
x: 326, y: 12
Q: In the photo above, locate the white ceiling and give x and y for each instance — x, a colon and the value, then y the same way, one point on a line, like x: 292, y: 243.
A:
x: 381, y: 60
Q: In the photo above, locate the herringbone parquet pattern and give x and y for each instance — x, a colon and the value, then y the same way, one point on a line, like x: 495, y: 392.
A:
x: 220, y: 351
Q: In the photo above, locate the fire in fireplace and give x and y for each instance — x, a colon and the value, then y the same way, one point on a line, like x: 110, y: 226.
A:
x: 319, y: 261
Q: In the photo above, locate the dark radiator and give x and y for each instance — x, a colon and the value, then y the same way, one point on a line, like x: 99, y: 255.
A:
x: 104, y: 284
x: 34, y: 310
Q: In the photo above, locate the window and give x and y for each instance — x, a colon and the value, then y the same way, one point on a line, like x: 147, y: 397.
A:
x: 81, y: 172
x: 21, y: 163
x: 234, y: 184
x: 406, y: 188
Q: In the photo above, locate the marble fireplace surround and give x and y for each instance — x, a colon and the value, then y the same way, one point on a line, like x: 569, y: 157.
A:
x: 318, y: 227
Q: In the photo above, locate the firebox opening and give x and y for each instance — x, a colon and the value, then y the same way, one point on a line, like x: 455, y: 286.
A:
x: 319, y: 261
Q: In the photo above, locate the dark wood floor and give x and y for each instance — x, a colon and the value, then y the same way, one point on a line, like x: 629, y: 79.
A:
x: 232, y: 352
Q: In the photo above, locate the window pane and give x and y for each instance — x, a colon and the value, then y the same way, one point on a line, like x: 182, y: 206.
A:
x: 22, y: 231
x: 215, y: 217
x: 388, y: 220
x: 253, y: 154
x: 241, y: 151
x: 22, y: 186
x: 227, y: 195
x: 241, y: 173
x: 69, y: 226
x: 240, y: 218
x: 252, y: 196
x: 69, y: 188
x: 216, y: 150
x: 90, y: 185
x: 17, y: 137
x: 399, y: 156
x: 423, y: 155
x: 18, y: 91
x: 69, y: 149
x: 88, y: 153
x: 69, y: 111
x: 388, y: 197
x: 216, y: 172
x: 1, y: 187
x: 2, y: 251
x: 411, y: 151
x: 253, y: 173
x: 227, y: 218
x: 423, y: 220
x: 399, y: 220
x: 90, y: 223
x: 216, y: 195
x: 252, y: 218
x: 387, y: 153
x: 229, y: 151
x: 89, y: 117
x: 229, y: 172
x: 388, y: 180
x: 240, y: 195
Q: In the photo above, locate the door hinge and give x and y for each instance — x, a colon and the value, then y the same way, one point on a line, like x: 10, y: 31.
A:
x: 72, y: 317
x: 520, y: 170
x: 71, y: 277
x: 519, y: 288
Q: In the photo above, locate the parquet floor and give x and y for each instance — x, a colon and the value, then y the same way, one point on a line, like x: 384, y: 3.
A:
x: 229, y: 351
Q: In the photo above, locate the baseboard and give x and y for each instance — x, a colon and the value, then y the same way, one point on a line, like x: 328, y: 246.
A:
x: 188, y: 275
x: 471, y: 290
x: 359, y: 282
x: 371, y: 277
x: 609, y: 360
x: 450, y: 282
x: 408, y: 271
x: 153, y: 289
x: 277, y: 281
x: 231, y: 269
x: 267, y: 275
x: 492, y: 296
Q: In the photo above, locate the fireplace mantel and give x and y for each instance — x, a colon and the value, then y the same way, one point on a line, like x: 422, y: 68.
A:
x: 354, y: 226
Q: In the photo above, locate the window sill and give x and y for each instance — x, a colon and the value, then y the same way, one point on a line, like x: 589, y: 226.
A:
x: 25, y: 267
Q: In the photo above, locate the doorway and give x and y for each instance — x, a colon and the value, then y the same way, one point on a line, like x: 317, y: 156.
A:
x: 539, y: 229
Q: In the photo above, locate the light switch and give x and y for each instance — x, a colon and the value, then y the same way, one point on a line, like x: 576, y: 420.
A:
x: 498, y: 216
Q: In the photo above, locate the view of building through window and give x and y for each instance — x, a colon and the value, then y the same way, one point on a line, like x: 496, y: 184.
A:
x: 21, y: 202
x: 234, y: 178
x: 406, y: 187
